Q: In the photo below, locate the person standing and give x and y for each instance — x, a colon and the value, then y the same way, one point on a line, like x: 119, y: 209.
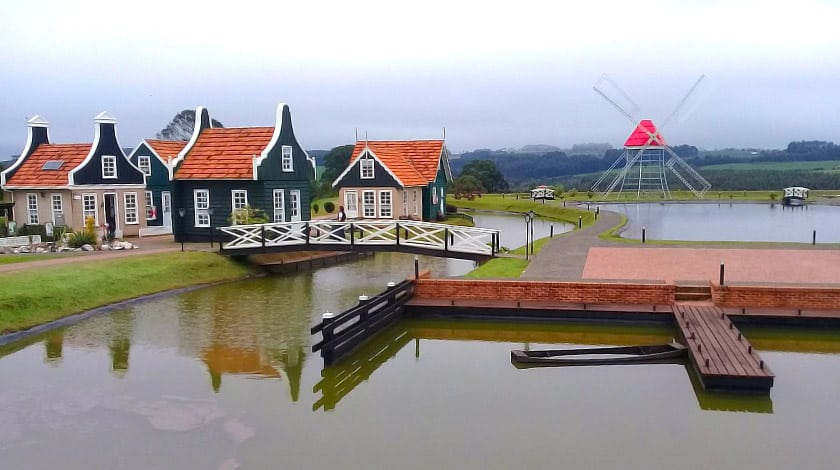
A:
x: 342, y: 217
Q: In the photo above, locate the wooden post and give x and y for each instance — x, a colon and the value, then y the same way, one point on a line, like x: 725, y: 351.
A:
x: 363, y: 299
x: 445, y: 240
x: 722, y: 272
x: 643, y: 234
x: 416, y: 270
x: 551, y: 234
x: 262, y: 236
x: 327, y: 334
x: 814, y: 238
x: 398, y: 232
x: 580, y: 221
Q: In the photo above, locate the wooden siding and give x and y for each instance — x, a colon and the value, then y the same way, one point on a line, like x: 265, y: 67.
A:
x: 91, y: 173
x: 271, y: 167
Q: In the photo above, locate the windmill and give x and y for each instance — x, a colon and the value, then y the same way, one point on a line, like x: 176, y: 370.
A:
x: 647, y: 158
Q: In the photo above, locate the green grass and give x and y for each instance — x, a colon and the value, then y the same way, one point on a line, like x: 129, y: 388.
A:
x: 9, y: 259
x: 828, y: 166
x: 509, y: 203
x: 33, y: 297
x: 499, y: 268
x: 320, y: 202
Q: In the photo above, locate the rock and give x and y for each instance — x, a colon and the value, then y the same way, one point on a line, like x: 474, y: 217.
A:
x: 87, y: 247
x: 105, y: 247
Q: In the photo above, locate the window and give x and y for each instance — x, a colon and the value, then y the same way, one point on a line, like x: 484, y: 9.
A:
x: 385, y: 205
x: 57, y: 205
x: 151, y: 213
x: 201, y: 201
x: 239, y: 202
x: 130, y: 200
x: 52, y: 164
x: 144, y: 162
x: 369, y: 204
x: 294, y: 205
x: 366, y: 166
x: 109, y: 166
x: 32, y: 208
x: 286, y: 158
x: 415, y: 201
x: 279, y: 206
x: 89, y: 208
x: 405, y: 202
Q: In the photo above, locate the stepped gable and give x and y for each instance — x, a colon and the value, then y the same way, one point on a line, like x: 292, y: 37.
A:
x: 641, y: 134
x: 225, y: 153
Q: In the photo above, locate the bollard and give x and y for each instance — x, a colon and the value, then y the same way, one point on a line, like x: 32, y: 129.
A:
x: 551, y: 235
x: 416, y: 270
x: 580, y: 221
x: 643, y: 234
x: 391, y: 285
x: 564, y: 203
x: 739, y: 336
x: 761, y: 365
x: 326, y: 319
x: 814, y: 238
x: 749, y: 349
x: 707, y: 362
x: 699, y: 348
x: 722, y: 272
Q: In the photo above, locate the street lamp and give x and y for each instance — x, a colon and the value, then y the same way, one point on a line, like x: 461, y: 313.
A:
x: 181, y: 212
x: 528, y: 217
x: 533, y: 216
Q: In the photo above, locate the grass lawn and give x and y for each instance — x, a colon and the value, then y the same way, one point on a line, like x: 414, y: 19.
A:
x: 509, y: 203
x: 9, y: 259
x: 33, y: 297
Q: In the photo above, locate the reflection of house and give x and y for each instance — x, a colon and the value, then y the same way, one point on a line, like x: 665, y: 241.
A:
x: 542, y: 192
x: 153, y: 158
x: 224, y: 169
x: 390, y: 179
x: 221, y: 359
x: 66, y: 183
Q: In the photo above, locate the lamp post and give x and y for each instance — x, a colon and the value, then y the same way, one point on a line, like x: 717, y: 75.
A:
x: 533, y: 216
x: 528, y: 217
x: 210, y: 220
x: 181, y: 212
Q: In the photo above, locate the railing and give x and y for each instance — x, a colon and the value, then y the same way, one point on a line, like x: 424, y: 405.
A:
x: 343, y: 333
x: 399, y: 235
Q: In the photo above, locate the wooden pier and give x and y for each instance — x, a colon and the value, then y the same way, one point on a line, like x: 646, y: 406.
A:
x: 719, y: 353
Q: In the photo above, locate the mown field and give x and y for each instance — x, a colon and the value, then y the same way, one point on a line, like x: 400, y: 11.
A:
x: 829, y: 166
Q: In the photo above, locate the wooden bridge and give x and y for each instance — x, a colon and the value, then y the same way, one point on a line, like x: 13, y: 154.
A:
x: 408, y: 236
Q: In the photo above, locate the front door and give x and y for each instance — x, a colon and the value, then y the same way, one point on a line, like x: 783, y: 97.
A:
x: 111, y: 216
x: 351, y: 204
x: 166, y: 202
x: 294, y: 205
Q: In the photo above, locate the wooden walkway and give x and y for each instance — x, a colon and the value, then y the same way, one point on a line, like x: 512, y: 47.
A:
x: 721, y: 356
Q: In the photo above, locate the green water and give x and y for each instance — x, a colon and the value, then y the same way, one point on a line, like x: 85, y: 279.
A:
x: 223, y: 378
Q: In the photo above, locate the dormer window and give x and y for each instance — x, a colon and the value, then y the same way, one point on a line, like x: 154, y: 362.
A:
x: 286, y: 161
x: 366, y: 168
x: 144, y: 162
x: 109, y: 166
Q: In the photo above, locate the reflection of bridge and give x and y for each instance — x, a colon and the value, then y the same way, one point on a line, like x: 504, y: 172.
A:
x: 424, y: 238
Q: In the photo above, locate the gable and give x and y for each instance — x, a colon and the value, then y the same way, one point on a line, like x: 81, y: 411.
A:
x: 269, y: 165
x: 352, y: 176
x: 90, y: 170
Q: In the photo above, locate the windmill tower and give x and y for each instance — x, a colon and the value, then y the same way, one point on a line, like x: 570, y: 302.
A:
x: 647, y: 160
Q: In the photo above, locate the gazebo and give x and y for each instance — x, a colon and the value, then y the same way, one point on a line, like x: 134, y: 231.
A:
x: 542, y: 192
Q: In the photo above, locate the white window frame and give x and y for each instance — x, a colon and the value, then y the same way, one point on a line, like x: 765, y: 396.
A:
x: 416, y: 211
x: 202, y: 214
x: 405, y: 202
x: 294, y: 205
x: 144, y: 163
x: 150, y: 204
x: 89, y: 208
x: 238, y: 200
x: 130, y: 209
x: 109, y: 166
x: 56, y: 208
x: 31, y: 208
x: 386, y: 209
x: 366, y: 169
x: 369, y: 209
x: 279, y: 205
x: 286, y: 158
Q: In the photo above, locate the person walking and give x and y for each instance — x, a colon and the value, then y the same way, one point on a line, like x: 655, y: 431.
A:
x: 342, y: 217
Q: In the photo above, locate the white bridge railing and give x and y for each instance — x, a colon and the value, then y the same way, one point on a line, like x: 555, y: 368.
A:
x: 405, y: 234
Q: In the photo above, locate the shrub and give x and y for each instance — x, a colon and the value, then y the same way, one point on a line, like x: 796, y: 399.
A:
x: 247, y: 215
x: 81, y: 237
x: 315, y: 208
x: 329, y: 207
x: 450, y: 209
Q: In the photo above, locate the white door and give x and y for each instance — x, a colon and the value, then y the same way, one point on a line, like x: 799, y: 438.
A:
x: 294, y: 205
x: 166, y: 199
x: 351, y: 204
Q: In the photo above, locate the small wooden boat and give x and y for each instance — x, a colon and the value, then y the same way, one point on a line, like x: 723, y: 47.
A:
x: 598, y: 356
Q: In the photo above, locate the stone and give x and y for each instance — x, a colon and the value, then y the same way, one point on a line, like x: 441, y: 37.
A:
x: 87, y: 247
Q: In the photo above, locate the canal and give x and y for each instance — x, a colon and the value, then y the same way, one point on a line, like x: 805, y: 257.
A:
x: 223, y: 378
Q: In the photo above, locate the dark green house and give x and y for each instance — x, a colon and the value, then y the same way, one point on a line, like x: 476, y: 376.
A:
x: 154, y: 158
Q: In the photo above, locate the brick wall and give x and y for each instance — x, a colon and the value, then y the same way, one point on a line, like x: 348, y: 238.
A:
x: 573, y: 292
x: 817, y: 298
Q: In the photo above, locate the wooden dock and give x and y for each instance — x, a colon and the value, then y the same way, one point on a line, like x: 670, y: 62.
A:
x: 721, y: 356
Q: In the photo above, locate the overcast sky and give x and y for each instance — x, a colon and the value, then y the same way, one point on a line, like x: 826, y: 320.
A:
x: 494, y: 74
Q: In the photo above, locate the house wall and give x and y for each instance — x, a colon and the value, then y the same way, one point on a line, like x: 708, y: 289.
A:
x: 44, y: 198
x: 397, y: 208
x: 157, y: 182
x: 271, y: 168
x: 91, y: 172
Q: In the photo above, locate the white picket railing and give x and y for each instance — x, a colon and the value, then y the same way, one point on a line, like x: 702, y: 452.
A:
x: 399, y: 233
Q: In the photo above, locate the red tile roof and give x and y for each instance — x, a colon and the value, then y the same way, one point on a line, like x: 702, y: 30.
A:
x: 166, y: 148
x: 224, y: 153
x: 641, y: 134
x: 414, y: 162
x: 31, y: 172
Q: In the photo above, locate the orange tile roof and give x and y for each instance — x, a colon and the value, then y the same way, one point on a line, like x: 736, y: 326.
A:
x: 30, y: 173
x: 414, y: 162
x: 224, y: 153
x: 166, y: 148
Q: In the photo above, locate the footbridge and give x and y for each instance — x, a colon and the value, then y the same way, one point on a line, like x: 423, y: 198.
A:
x: 408, y: 236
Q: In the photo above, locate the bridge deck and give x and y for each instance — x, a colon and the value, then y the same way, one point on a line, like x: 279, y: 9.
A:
x: 722, y: 357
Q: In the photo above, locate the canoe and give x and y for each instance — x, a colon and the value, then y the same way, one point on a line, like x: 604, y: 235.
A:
x: 599, y: 356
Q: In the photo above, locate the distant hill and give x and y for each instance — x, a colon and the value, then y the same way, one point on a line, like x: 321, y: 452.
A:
x: 8, y: 162
x: 318, y: 155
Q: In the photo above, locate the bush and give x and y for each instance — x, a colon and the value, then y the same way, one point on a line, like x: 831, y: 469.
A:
x: 329, y: 207
x: 450, y: 209
x: 247, y: 215
x: 81, y: 237
x: 315, y: 208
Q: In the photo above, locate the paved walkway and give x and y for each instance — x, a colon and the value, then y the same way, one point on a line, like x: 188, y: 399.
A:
x: 581, y: 255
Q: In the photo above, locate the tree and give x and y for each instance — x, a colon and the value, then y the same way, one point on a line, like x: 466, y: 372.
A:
x: 465, y: 186
x: 181, y: 126
x: 487, y: 173
x: 335, y: 161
